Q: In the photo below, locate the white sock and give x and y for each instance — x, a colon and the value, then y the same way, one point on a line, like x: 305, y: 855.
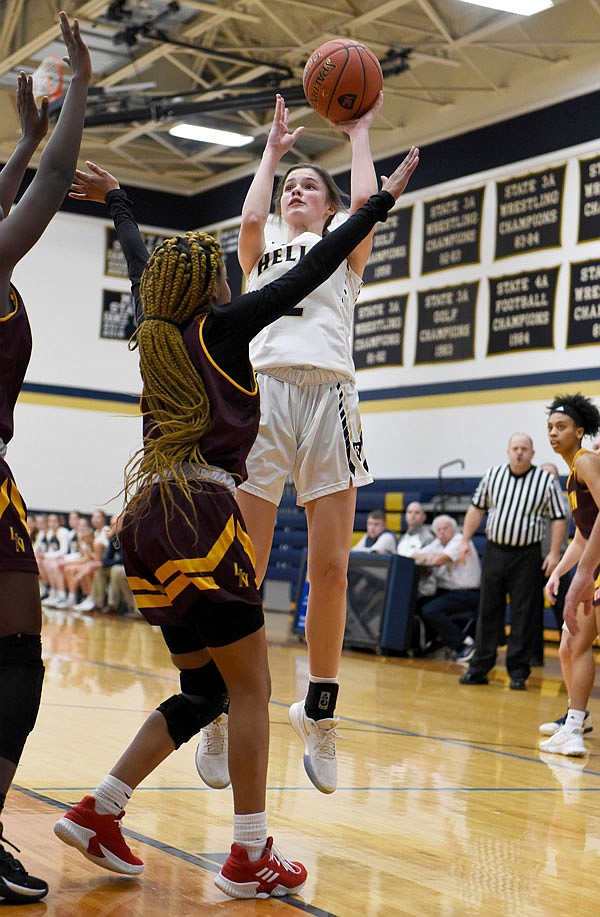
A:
x: 250, y: 831
x: 575, y: 719
x: 112, y: 795
x: 316, y: 679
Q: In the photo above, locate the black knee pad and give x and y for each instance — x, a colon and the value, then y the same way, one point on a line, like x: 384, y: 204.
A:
x: 185, y: 718
x: 205, y: 681
x: 21, y: 678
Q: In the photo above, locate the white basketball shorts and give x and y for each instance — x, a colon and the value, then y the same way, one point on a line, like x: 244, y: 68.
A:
x: 312, y: 432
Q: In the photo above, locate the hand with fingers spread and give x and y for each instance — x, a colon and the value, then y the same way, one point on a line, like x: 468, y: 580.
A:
x: 281, y: 139
x: 34, y: 120
x: 93, y: 185
x: 78, y: 57
x: 398, y: 180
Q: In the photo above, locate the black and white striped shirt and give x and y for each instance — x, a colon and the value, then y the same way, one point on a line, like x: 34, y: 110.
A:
x: 517, y: 504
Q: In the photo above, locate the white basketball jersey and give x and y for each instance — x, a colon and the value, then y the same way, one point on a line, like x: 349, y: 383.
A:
x: 316, y: 338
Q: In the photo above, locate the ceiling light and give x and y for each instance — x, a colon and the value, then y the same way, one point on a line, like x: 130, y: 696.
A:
x: 209, y: 135
x: 520, y: 7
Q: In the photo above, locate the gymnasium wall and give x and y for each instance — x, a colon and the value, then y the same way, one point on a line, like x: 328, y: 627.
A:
x: 517, y: 325
x: 77, y: 423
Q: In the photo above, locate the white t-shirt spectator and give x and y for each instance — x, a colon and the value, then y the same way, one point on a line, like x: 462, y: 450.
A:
x: 456, y: 575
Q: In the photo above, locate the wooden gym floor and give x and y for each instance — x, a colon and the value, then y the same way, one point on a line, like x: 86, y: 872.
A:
x: 445, y: 806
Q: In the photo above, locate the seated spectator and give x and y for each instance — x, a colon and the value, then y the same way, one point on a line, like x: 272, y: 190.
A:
x: 79, y: 567
x: 54, y: 567
x: 416, y: 536
x: 378, y: 539
x: 36, y: 525
x: 85, y: 580
x: 50, y: 547
x: 457, y: 588
x: 110, y: 580
x: 74, y: 517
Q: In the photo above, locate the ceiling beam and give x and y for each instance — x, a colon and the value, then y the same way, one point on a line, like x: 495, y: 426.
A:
x: 89, y: 10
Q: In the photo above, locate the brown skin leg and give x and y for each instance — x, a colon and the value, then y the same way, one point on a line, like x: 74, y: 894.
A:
x: 153, y: 742
x: 20, y: 613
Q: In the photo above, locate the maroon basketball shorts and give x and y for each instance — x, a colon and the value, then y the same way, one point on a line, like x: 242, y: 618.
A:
x: 197, y: 561
x: 16, y: 551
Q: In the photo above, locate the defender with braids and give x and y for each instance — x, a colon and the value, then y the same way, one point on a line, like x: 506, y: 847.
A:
x: 182, y: 272
x: 189, y: 560
x: 570, y: 418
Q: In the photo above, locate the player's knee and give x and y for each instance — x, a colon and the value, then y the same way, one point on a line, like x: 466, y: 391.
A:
x: 21, y: 678
x: 205, y: 681
x: 332, y: 573
x: 185, y: 718
x: 564, y: 650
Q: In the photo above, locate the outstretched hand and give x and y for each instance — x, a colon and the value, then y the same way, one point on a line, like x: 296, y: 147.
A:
x: 93, y: 185
x: 280, y: 138
x: 78, y: 54
x: 34, y: 120
x: 398, y: 180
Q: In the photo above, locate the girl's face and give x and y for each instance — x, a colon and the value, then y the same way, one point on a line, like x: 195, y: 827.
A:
x: 563, y: 435
x: 305, y: 199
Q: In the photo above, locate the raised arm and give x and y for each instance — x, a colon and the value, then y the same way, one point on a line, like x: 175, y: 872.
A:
x: 363, y: 179
x: 99, y: 185
x: 261, y: 307
x: 25, y: 224
x: 257, y: 205
x: 34, y: 127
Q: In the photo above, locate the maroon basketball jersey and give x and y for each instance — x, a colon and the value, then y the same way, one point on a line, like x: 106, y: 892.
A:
x: 15, y: 351
x: 234, y: 411
x: 581, y: 501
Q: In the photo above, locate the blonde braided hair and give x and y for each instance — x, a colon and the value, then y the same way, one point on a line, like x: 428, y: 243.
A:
x: 179, y: 282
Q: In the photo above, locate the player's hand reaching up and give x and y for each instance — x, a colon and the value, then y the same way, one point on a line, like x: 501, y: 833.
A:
x: 281, y: 139
x: 78, y: 54
x: 398, y: 180
x: 34, y: 120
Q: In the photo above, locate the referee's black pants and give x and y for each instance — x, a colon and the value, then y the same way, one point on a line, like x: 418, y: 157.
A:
x: 515, y: 571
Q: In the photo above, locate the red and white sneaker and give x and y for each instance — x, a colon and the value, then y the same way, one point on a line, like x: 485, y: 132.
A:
x: 98, y: 837
x: 271, y: 875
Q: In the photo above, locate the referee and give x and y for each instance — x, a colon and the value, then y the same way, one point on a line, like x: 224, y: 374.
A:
x: 516, y: 496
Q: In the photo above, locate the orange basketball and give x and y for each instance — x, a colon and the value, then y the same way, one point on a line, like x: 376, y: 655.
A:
x: 342, y: 79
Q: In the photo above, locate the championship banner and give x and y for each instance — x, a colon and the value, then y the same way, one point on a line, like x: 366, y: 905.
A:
x: 446, y: 324
x: 115, y: 264
x: 529, y: 212
x: 228, y: 239
x: 584, y: 304
x: 118, y: 315
x: 522, y: 311
x: 391, y: 248
x: 589, y: 199
x: 379, y: 332
x: 451, y: 231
